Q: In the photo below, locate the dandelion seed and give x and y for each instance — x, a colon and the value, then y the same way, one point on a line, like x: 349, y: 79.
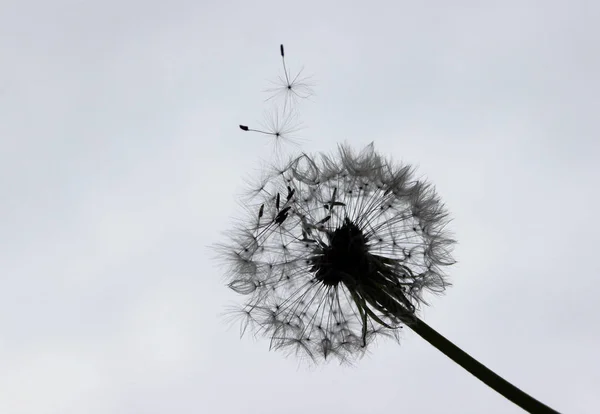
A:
x: 290, y: 88
x: 282, y: 125
x: 325, y: 220
x: 282, y: 215
x: 291, y: 192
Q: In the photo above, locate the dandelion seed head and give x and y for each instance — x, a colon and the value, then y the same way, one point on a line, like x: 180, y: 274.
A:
x: 335, y: 251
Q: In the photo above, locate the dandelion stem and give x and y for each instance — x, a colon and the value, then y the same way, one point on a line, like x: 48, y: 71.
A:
x: 484, y: 374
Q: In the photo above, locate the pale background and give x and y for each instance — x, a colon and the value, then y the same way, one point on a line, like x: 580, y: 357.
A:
x: 120, y: 158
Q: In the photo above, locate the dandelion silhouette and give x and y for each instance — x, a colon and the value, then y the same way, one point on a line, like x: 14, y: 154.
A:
x: 291, y: 88
x: 338, y: 250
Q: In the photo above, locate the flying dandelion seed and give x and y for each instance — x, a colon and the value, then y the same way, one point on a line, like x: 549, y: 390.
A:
x: 290, y: 88
x: 282, y: 125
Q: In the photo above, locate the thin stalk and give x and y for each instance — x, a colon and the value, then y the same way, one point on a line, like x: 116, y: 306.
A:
x: 490, y: 378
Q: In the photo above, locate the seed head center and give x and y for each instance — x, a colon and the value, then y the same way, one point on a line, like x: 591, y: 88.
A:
x: 344, y: 259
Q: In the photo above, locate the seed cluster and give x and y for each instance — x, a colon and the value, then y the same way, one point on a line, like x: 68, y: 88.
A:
x: 335, y: 251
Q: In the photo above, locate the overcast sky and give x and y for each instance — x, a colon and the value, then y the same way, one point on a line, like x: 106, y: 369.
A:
x: 121, y: 158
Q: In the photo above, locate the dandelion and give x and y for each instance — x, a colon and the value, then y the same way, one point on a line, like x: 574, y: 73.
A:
x: 281, y: 125
x: 290, y: 87
x: 339, y: 250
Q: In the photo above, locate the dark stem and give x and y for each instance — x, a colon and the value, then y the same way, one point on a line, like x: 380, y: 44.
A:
x: 499, y: 384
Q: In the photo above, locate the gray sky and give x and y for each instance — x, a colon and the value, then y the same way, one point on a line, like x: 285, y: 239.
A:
x: 120, y: 159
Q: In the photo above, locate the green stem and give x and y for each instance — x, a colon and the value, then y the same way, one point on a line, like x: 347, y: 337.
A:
x: 499, y: 384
